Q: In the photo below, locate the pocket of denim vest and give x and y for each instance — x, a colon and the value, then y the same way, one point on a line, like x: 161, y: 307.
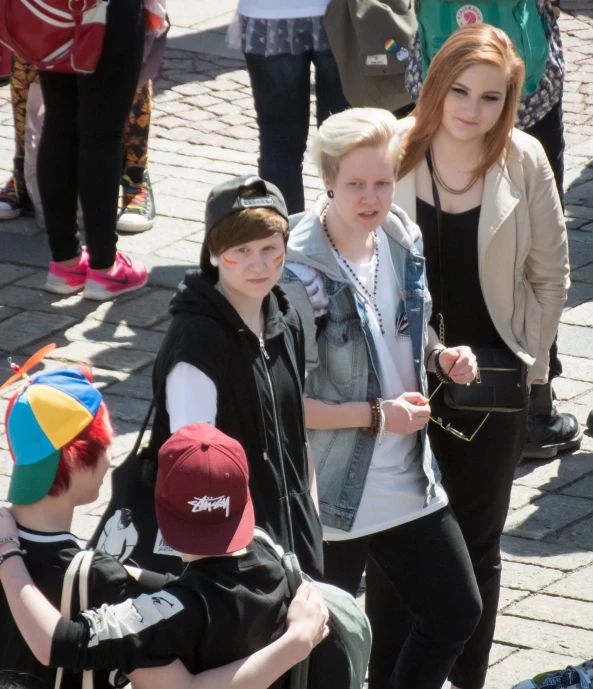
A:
x: 343, y: 351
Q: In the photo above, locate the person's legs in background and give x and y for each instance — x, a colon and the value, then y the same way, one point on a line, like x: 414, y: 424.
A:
x: 282, y: 97
x: 138, y: 211
x: 328, y: 88
x: 13, y: 195
x: 550, y: 431
x: 80, y: 155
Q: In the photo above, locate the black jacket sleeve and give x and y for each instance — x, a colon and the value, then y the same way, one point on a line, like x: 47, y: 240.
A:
x: 148, y: 631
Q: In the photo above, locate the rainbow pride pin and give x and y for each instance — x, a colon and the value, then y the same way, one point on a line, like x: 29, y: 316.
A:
x: 390, y: 45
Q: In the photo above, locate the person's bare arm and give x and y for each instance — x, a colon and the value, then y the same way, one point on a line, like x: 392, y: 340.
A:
x: 312, y: 478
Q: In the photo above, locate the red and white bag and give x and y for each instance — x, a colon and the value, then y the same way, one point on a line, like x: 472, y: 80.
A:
x: 57, y: 35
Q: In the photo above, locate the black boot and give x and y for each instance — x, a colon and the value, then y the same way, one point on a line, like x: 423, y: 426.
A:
x: 590, y: 421
x: 548, y: 431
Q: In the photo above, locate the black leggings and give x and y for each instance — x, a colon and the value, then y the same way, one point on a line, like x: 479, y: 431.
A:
x: 427, y: 564
x: 80, y: 149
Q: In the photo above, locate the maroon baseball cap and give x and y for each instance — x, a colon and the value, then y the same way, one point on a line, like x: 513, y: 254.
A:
x: 202, y: 499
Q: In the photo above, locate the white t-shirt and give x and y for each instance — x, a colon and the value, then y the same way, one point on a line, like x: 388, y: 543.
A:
x: 282, y: 9
x: 395, y: 488
x: 191, y: 397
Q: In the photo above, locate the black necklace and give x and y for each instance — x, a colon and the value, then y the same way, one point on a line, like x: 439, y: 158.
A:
x: 372, y: 298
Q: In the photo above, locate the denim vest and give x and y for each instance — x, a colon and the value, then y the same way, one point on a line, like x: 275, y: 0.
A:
x: 348, y: 364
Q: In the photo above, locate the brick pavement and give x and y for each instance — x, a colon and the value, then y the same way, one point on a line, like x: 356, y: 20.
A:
x: 203, y: 129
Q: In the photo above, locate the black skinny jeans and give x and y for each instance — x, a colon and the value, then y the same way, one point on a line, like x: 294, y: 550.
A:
x: 427, y: 563
x: 80, y: 149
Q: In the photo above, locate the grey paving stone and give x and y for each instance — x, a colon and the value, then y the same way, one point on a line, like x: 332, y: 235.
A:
x: 580, y: 489
x: 544, y: 636
x: 584, y: 274
x: 125, y: 437
x: 567, y: 389
x: 4, y: 483
x: 6, y: 311
x: 579, y: 211
x: 186, y: 209
x: 119, y: 358
x: 12, y: 273
x: 516, y: 575
x: 29, y: 326
x: 6, y: 464
x: 524, y: 664
x: 509, y: 596
x: 36, y: 300
x: 577, y: 585
x: 572, y: 613
x: 553, y: 474
x: 135, y: 386
x: 523, y: 495
x: 182, y: 250
x: 128, y: 409
x: 499, y: 652
x: 547, y: 515
x: 578, y: 535
x: 544, y: 554
x: 577, y: 368
x: 184, y: 188
x: 575, y: 340
x: 114, y: 334
x: 149, y: 307
x: 580, y: 252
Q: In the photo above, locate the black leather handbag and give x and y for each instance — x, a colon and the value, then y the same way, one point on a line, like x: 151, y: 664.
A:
x: 501, y: 379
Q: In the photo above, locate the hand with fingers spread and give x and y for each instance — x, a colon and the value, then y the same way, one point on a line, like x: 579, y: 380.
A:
x: 407, y: 413
x: 459, y: 363
x: 307, y: 617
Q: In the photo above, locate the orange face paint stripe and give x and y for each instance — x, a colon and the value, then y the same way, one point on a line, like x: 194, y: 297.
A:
x: 229, y: 264
x: 278, y: 260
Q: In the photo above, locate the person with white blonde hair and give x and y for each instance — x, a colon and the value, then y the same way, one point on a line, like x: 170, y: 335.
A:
x: 355, y: 273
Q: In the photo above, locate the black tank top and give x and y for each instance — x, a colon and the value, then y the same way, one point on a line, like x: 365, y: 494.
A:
x: 466, y: 317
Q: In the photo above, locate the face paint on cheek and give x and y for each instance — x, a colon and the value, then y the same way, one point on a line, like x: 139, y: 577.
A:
x: 228, y: 264
x: 278, y: 261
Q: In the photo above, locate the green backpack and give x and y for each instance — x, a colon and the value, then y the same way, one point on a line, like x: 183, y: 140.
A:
x: 519, y: 19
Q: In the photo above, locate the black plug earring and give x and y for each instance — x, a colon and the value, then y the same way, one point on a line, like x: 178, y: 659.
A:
x: 330, y: 194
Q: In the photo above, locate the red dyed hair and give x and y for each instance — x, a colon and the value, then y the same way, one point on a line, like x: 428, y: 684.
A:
x: 84, y: 451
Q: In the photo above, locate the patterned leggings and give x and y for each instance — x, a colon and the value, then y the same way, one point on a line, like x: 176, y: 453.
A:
x: 135, y: 148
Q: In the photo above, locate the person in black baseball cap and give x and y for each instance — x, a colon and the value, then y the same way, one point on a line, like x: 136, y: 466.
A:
x: 234, y: 358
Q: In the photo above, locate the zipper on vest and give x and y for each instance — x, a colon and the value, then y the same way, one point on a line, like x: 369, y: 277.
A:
x: 266, y: 358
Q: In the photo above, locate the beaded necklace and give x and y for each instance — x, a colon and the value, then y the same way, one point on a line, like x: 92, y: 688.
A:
x: 372, y: 298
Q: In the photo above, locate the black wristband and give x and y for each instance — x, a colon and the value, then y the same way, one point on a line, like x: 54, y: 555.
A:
x: 441, y: 375
x: 11, y: 553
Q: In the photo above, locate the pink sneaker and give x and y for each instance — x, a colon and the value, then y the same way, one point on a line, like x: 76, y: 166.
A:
x: 125, y: 276
x: 63, y: 279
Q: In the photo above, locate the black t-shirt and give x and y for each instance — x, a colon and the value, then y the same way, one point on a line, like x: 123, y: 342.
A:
x: 47, y: 559
x: 219, y: 610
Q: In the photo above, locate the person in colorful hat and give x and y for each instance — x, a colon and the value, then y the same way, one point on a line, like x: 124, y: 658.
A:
x: 204, y: 510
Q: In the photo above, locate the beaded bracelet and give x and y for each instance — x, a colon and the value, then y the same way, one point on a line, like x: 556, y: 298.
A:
x: 375, y: 427
x: 9, y: 539
x: 11, y: 553
x: 441, y: 375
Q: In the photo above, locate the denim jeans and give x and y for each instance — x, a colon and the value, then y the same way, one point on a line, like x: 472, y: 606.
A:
x: 281, y: 87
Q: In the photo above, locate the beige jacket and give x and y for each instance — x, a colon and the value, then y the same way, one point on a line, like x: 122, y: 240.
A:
x: 522, y: 250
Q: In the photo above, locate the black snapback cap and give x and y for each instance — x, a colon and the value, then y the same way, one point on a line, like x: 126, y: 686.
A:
x: 235, y: 195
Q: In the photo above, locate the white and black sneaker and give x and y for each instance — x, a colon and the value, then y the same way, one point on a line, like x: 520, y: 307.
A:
x: 138, y: 212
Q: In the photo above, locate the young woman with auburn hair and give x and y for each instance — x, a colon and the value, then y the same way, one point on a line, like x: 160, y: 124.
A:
x: 497, y: 268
